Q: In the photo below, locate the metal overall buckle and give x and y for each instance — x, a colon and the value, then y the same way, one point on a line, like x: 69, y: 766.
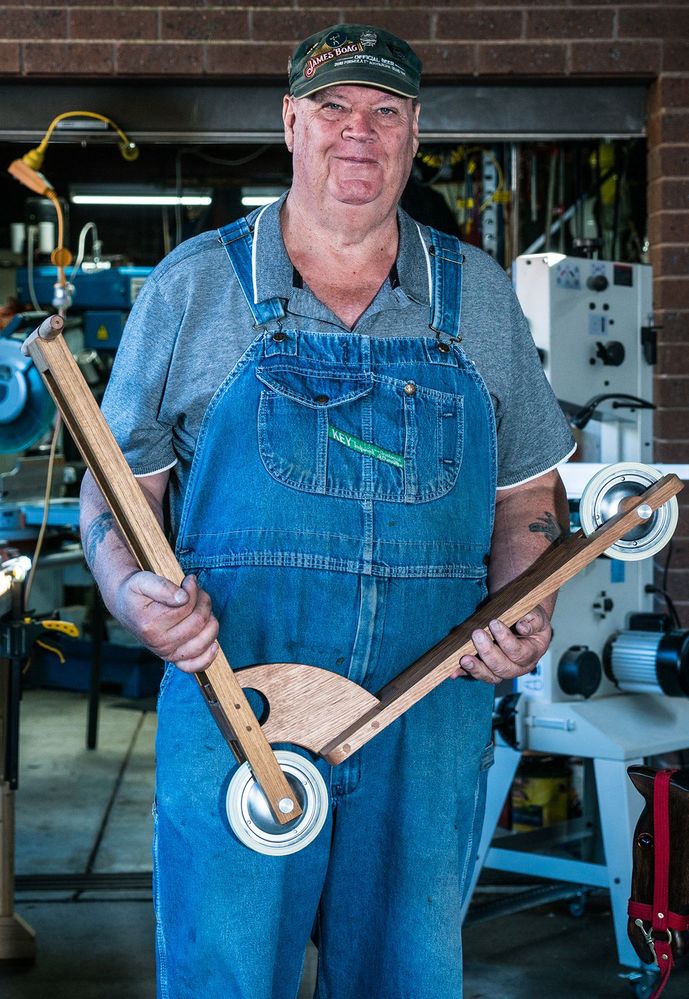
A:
x: 650, y: 939
x: 444, y: 345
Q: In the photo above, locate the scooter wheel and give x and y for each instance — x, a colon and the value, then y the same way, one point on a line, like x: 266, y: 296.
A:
x: 602, y: 497
x: 254, y: 824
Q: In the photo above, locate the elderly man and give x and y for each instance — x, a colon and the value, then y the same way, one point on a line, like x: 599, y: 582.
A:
x: 351, y: 423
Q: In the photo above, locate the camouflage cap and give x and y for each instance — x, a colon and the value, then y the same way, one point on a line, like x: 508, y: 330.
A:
x: 358, y: 54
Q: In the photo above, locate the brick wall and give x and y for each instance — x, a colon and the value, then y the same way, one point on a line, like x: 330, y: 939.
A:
x: 457, y: 40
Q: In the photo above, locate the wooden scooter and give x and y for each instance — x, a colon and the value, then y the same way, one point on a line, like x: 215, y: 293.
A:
x: 277, y: 802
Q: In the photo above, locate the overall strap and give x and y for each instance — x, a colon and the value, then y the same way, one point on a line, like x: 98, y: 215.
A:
x: 237, y: 238
x: 446, y: 282
x: 662, y: 920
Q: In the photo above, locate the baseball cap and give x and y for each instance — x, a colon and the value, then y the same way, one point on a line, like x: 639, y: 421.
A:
x: 354, y: 53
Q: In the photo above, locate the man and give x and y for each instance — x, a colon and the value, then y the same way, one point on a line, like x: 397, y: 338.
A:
x: 353, y: 429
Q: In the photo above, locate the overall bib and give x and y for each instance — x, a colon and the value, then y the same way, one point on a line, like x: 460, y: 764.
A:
x: 339, y: 513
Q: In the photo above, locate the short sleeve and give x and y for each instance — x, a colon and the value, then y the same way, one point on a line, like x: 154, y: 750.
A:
x: 133, y: 397
x: 533, y: 433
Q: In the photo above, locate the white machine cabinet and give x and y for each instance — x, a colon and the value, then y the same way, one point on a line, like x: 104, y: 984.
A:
x: 592, y: 323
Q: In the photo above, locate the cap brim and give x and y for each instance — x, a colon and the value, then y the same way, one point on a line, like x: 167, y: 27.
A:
x: 393, y: 86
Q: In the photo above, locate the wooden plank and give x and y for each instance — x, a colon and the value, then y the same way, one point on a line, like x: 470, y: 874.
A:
x: 308, y: 705
x: 545, y: 576
x: 150, y: 548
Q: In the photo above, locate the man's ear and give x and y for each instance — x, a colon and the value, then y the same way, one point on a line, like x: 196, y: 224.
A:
x: 288, y: 119
x: 415, y: 126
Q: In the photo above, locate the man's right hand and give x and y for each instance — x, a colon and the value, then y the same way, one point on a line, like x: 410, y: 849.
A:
x: 174, y: 622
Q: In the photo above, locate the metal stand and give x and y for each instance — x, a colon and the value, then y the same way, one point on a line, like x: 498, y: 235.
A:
x: 17, y: 939
x: 604, y: 732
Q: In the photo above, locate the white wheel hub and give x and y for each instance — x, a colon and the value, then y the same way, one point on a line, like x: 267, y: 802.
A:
x: 602, y: 498
x: 250, y: 816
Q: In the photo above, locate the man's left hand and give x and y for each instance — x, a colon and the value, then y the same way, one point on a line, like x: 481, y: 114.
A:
x: 509, y: 652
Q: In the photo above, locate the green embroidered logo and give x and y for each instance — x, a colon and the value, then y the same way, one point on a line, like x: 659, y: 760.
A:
x: 356, y: 444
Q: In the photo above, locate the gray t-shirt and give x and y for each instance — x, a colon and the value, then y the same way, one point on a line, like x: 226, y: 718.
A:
x: 191, y: 324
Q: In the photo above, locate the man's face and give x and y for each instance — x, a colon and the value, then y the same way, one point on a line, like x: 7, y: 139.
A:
x: 351, y: 144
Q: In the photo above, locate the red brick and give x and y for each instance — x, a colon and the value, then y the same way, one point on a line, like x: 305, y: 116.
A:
x: 564, y: 23
x: 683, y: 613
x: 670, y: 259
x: 408, y: 23
x: 671, y: 91
x: 680, y: 552
x: 447, y: 59
x: 479, y: 24
x: 668, y: 161
x: 267, y: 59
x: 615, y: 58
x: 156, y: 3
x: 30, y: 22
x: 673, y: 293
x: 674, y: 358
x: 673, y: 452
x: 171, y: 59
x: 671, y: 424
x: 528, y: 59
x: 68, y: 58
x: 9, y: 57
x: 678, y: 578
x: 678, y: 586
x: 668, y: 127
x: 668, y: 227
x: 292, y: 25
x: 213, y: 25
x: 674, y: 328
x: 671, y: 390
x: 51, y: 3
x: 668, y: 194
x: 93, y: 23
x: 656, y: 21
x: 675, y: 56
x: 255, y: 3
x: 470, y: 4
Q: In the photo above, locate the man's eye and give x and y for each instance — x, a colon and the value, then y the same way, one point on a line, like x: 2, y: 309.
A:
x: 332, y: 106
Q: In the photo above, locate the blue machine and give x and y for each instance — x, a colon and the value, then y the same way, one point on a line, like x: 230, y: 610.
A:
x: 102, y: 297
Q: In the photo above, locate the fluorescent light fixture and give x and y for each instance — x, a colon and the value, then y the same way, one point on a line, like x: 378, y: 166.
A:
x: 257, y: 200
x: 101, y: 194
x: 140, y: 199
x: 256, y: 197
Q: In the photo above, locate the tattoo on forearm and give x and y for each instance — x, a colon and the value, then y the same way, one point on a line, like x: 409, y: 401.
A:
x: 548, y: 525
x: 103, y: 523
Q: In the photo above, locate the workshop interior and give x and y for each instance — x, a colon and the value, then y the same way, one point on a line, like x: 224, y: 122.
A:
x: 92, y: 197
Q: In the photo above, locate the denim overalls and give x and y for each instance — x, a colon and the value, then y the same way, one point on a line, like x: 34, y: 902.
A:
x: 339, y: 512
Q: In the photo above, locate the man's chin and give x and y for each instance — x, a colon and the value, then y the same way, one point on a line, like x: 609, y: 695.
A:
x: 357, y: 194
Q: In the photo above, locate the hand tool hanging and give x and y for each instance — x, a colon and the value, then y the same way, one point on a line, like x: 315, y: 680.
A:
x: 326, y: 714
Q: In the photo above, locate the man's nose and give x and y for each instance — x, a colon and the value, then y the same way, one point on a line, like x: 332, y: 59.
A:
x: 359, y: 125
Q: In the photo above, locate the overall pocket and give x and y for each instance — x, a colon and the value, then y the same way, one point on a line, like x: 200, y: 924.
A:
x: 358, y: 435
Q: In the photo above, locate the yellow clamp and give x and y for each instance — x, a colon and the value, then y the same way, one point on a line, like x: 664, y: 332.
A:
x: 64, y: 627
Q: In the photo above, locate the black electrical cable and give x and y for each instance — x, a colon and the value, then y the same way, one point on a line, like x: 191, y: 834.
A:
x: 668, y: 603
x: 582, y: 417
x: 666, y: 567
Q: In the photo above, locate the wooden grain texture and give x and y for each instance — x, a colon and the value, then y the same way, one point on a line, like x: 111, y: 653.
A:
x: 150, y: 547
x: 559, y: 564
x: 307, y: 705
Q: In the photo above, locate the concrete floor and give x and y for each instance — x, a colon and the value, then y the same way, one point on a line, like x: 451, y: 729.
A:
x: 85, y: 812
